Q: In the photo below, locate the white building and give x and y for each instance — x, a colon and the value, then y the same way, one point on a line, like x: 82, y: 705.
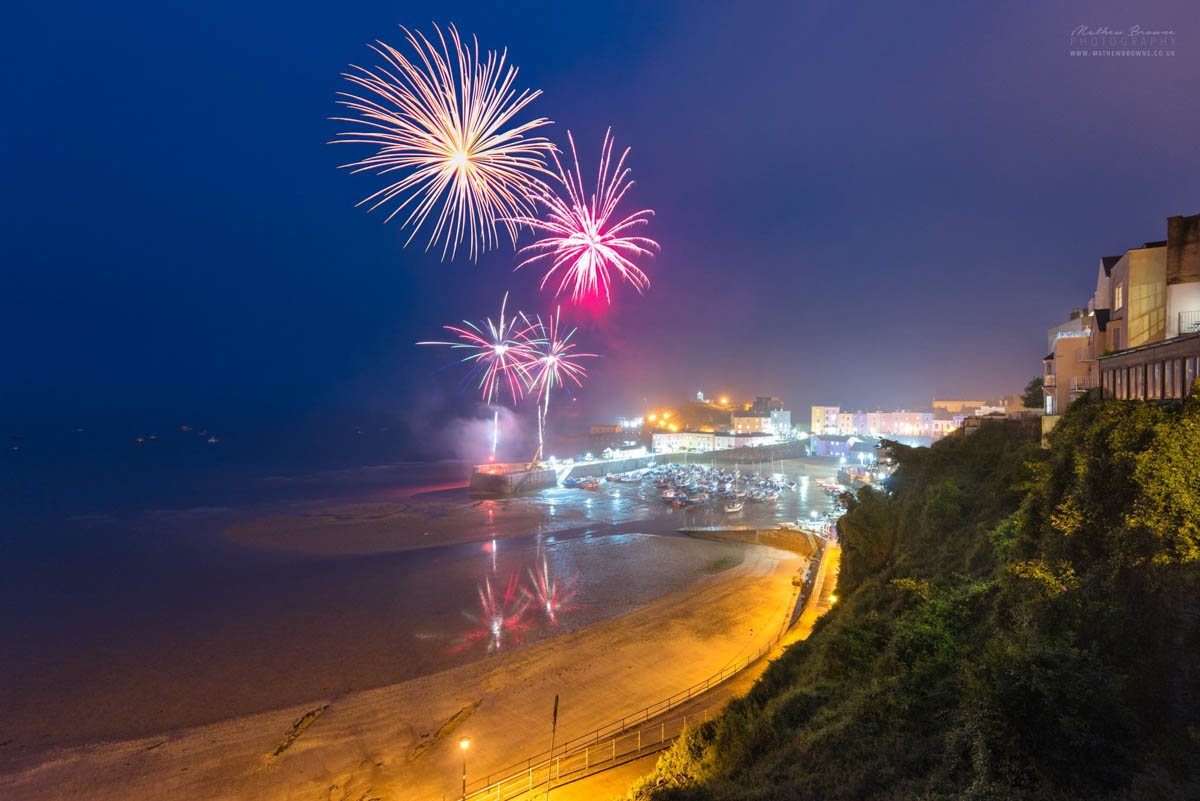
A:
x: 704, y: 441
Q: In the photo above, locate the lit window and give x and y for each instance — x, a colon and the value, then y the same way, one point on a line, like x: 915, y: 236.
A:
x: 1118, y: 297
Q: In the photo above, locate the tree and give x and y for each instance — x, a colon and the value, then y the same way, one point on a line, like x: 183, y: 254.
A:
x: 1034, y: 397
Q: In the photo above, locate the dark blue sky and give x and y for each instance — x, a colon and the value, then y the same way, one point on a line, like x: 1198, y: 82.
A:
x: 858, y: 203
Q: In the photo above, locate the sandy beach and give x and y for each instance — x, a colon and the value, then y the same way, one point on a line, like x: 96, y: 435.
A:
x: 399, y: 741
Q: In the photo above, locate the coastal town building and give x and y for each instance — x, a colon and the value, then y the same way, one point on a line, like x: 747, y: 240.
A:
x: 679, y: 441
x: 1147, y: 345
x: 1066, y: 368
x: 751, y: 422
x: 833, y: 422
x: 825, y: 419
x: 1139, y: 337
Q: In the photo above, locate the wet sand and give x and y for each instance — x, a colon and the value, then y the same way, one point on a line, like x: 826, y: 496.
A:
x: 400, y: 741
x: 418, y: 520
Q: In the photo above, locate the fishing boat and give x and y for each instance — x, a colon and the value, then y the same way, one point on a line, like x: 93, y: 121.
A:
x: 590, y: 483
x: 734, y: 506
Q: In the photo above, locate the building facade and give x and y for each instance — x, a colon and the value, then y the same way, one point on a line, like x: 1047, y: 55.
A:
x: 751, y: 422
x: 1145, y: 338
x: 1066, y: 370
x: 825, y: 419
x: 703, y: 441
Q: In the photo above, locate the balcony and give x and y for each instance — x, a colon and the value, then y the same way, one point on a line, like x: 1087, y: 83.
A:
x: 1049, y: 381
x: 1081, y: 383
x: 1189, y: 322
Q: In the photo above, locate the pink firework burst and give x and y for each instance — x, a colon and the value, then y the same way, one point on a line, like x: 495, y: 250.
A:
x: 501, y: 352
x: 583, y: 242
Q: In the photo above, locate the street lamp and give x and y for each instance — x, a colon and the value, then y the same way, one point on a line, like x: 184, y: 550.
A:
x: 464, y: 743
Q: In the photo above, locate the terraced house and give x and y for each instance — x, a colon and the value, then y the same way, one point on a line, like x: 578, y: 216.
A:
x: 1139, y: 338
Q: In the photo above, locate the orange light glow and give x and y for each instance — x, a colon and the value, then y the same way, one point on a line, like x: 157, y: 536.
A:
x: 724, y: 401
x: 652, y: 417
x: 666, y: 415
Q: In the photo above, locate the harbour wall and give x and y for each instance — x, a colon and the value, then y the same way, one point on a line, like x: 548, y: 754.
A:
x: 801, y: 542
x: 512, y: 483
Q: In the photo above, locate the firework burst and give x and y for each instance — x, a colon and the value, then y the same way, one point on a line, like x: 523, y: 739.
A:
x: 554, y: 358
x: 583, y: 243
x: 554, y: 362
x: 502, y: 352
x: 444, y: 124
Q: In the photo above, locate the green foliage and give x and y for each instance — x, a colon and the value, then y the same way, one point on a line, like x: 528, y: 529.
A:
x: 1012, y: 623
x: 1034, y: 397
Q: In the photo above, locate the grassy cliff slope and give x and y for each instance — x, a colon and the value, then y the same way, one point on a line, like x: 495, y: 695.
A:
x: 1013, y: 623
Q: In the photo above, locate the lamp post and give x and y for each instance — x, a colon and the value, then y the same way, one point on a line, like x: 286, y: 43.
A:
x: 464, y: 743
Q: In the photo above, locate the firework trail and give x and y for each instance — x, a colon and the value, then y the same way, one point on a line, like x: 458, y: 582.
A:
x: 579, y: 237
x: 450, y: 133
x: 555, y: 362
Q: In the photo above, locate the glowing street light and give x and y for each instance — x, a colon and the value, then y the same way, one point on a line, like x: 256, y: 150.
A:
x: 464, y: 743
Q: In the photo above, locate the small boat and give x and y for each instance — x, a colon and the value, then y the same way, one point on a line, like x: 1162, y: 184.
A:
x: 570, y: 482
x: 589, y: 483
x: 668, y: 494
x: 735, y: 506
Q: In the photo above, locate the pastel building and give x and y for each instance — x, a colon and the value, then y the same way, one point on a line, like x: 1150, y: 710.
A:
x: 825, y: 419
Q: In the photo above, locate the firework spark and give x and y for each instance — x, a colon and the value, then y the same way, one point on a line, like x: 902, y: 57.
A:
x: 445, y: 130
x: 554, y: 363
x: 501, y: 352
x: 578, y: 235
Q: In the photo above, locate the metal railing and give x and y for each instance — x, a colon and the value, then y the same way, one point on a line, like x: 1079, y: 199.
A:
x: 1189, y: 322
x: 570, y: 766
x: 585, y: 753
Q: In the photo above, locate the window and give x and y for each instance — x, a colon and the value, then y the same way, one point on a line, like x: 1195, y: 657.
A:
x: 1118, y: 297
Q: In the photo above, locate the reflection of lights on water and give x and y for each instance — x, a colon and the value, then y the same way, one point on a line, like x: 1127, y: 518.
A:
x: 548, y: 593
x: 497, y: 616
x: 505, y: 617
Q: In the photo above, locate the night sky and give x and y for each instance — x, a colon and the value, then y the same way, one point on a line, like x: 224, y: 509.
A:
x: 865, y: 204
